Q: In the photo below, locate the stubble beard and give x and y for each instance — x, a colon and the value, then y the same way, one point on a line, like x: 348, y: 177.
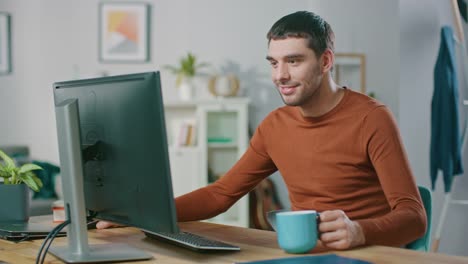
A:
x: 305, y: 91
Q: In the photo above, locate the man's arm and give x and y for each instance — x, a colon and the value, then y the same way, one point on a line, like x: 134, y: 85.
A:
x: 216, y: 198
x: 407, y: 220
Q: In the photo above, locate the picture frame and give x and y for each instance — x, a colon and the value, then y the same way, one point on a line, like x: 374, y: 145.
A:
x: 124, y: 32
x: 350, y: 70
x: 5, y: 43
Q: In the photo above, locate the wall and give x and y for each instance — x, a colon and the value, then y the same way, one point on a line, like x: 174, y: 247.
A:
x: 419, y: 45
x: 370, y: 27
x: 18, y: 94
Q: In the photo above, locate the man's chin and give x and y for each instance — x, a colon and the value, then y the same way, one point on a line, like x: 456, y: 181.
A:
x: 290, y: 101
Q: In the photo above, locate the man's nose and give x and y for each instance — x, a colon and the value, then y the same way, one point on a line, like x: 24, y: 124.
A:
x: 282, y: 72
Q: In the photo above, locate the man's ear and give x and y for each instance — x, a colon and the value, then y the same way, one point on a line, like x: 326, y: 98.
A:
x: 327, y: 60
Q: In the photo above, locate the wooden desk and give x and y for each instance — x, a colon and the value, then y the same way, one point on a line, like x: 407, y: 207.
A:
x: 255, y: 245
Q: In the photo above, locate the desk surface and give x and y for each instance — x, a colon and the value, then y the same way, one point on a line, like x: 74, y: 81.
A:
x: 255, y: 245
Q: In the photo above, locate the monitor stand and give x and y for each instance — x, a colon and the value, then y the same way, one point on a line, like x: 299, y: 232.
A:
x: 78, y: 250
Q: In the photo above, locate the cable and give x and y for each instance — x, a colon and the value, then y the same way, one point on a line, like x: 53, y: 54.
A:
x: 52, y: 239
x: 91, y: 215
x: 51, y: 235
x: 24, y: 238
x: 43, y: 244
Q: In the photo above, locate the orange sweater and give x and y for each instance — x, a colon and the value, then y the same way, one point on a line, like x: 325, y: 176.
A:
x: 351, y: 158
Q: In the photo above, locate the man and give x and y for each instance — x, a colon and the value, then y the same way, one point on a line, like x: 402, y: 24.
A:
x: 339, y: 151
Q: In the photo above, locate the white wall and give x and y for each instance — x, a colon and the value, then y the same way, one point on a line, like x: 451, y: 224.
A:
x: 23, y: 119
x: 370, y: 27
x: 420, y: 40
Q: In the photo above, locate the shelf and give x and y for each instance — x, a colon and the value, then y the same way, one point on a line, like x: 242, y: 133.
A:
x: 223, y: 145
x: 176, y: 149
x: 221, y: 137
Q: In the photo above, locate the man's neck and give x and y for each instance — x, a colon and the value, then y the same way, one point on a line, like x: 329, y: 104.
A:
x: 324, y: 100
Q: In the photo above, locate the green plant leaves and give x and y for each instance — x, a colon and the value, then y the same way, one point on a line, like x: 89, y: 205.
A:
x: 188, y: 65
x: 7, y: 170
x: 15, y: 175
x: 9, y: 163
x: 31, y: 180
x: 187, y: 68
x: 4, y: 172
x: 28, y: 167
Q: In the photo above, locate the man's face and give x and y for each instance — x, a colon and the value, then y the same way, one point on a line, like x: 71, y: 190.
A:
x: 294, y: 69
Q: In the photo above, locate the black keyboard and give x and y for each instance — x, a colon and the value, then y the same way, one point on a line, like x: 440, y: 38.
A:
x: 192, y: 241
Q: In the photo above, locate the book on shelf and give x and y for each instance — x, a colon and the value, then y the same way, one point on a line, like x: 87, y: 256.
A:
x: 187, y: 134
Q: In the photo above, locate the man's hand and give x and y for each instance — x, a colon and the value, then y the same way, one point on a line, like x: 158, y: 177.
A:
x: 106, y: 224
x: 338, y: 231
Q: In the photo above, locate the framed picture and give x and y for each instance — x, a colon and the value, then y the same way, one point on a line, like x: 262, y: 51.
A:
x: 350, y: 70
x: 124, y: 32
x: 5, y: 43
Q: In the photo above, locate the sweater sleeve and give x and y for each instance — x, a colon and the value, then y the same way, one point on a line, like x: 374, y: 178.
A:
x: 254, y: 166
x: 407, y: 219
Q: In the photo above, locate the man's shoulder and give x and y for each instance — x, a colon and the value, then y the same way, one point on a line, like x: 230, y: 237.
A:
x: 364, y: 104
x: 364, y: 99
x: 373, y: 112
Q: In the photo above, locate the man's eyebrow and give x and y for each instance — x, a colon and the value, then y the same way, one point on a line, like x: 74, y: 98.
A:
x: 294, y: 56
x: 291, y: 56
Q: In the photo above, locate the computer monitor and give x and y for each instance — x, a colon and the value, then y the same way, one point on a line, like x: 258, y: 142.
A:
x: 114, y: 157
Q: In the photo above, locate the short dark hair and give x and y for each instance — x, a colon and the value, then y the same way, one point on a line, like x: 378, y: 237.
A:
x: 304, y: 24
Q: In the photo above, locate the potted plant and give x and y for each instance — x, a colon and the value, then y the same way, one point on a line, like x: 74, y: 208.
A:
x: 14, y: 192
x: 185, y: 72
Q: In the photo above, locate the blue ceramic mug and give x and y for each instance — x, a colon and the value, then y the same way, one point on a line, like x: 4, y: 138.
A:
x: 297, y: 230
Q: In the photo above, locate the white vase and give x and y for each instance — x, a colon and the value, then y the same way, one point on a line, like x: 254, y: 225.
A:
x: 186, y: 90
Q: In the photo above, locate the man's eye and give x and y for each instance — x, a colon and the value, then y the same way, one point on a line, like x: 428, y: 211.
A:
x: 292, y: 61
x: 273, y: 63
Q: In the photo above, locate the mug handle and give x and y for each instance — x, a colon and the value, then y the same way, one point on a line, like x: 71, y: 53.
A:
x: 317, y: 220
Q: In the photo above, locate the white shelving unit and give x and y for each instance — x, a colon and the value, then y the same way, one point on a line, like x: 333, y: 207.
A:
x: 221, y: 127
